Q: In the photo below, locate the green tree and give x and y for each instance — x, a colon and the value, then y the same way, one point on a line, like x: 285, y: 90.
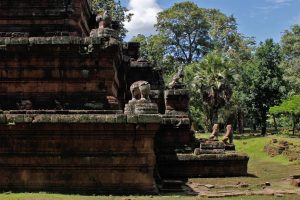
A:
x: 290, y: 108
x: 211, y: 82
x: 186, y: 28
x: 118, y: 12
x: 263, y: 81
x: 152, y: 48
x: 291, y: 58
x: 223, y: 30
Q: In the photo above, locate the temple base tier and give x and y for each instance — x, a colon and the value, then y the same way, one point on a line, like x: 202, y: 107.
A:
x: 180, y: 166
x: 77, y: 152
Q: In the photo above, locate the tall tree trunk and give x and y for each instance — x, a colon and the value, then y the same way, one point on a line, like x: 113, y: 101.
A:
x: 215, y: 116
x: 240, y: 122
x: 254, y: 125
x: 263, y: 122
x: 294, y: 125
x: 275, y: 123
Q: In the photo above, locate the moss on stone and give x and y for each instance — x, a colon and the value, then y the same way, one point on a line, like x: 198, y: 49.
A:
x: 191, y: 157
x: 57, y: 40
x: 153, y: 118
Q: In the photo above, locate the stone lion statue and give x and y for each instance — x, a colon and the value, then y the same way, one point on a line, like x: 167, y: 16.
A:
x: 104, y: 21
x: 177, y: 79
x: 228, y: 135
x: 215, y: 132
x: 140, y: 90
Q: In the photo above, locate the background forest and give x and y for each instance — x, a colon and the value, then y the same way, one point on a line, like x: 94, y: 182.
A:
x: 231, y: 78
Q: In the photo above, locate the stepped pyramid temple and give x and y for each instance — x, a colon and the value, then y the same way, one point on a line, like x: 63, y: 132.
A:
x: 81, y: 112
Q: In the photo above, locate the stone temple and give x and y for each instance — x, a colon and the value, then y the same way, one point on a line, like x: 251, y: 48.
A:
x: 77, y: 113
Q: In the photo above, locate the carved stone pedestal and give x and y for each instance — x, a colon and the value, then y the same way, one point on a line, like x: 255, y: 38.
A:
x: 140, y: 107
x: 210, y: 147
x: 177, y: 101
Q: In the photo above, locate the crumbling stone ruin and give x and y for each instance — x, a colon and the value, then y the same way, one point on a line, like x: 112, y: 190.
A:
x: 282, y: 147
x: 82, y: 112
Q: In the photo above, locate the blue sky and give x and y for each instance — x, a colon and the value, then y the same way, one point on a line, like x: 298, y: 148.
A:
x: 259, y: 18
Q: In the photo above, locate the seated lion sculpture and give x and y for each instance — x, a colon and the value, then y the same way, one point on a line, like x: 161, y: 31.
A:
x: 228, y: 135
x: 104, y: 21
x: 215, y: 132
x: 177, y: 79
x: 140, y: 90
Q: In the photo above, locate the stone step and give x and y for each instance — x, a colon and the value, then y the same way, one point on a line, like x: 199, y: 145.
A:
x: 216, y: 145
x: 171, y: 186
x: 209, y: 151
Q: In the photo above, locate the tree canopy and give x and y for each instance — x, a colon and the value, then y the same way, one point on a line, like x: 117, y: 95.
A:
x: 290, y: 108
x: 263, y: 81
x: 185, y: 27
x: 211, y: 83
x: 291, y: 58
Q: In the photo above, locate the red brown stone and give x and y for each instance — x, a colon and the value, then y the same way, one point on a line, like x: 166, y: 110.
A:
x: 79, y: 156
x: 44, y: 18
x: 46, y: 70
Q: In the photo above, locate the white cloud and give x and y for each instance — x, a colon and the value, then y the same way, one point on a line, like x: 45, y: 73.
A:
x: 280, y: 1
x: 275, y: 4
x: 144, y: 17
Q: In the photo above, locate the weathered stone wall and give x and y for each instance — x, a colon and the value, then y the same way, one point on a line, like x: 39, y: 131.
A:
x: 44, y: 18
x: 78, y: 151
x: 189, y: 165
x: 60, y: 73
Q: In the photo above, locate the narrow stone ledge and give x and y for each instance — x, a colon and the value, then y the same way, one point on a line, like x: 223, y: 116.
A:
x: 62, y: 118
x: 62, y: 112
x: 143, y: 119
x: 203, y: 157
x: 14, y: 118
x: 56, y: 40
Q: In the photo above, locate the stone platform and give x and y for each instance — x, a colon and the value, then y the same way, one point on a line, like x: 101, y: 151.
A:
x: 206, y: 165
x: 60, y: 73
x: 77, y: 151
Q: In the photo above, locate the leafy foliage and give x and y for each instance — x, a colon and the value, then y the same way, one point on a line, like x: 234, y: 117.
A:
x: 291, y: 60
x: 186, y: 29
x: 211, y: 83
x: 290, y: 108
x: 152, y: 47
x: 263, y: 81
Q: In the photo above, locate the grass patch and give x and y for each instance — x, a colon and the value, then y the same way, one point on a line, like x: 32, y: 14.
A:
x: 26, y: 196
x: 261, y: 166
x: 75, y: 197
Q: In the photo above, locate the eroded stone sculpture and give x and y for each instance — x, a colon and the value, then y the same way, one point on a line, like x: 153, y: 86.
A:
x: 140, y: 102
x: 228, y: 135
x: 140, y: 90
x: 177, y: 79
x: 104, y: 21
x: 215, y: 132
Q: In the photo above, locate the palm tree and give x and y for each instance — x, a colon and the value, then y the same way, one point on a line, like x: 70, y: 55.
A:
x: 213, y: 82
